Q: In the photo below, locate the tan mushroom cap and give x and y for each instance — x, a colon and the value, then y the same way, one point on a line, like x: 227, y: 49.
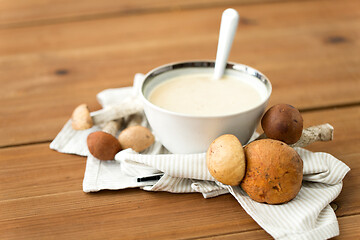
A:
x: 81, y: 119
x: 225, y: 160
x: 136, y: 137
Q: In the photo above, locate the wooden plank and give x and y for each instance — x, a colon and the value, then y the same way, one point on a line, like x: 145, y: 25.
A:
x: 349, y: 229
x: 42, y: 195
x: 131, y: 214
x: 48, y: 70
x: 25, y: 13
x: 35, y: 170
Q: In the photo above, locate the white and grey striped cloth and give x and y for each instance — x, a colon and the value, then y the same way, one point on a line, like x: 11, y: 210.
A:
x: 308, y: 216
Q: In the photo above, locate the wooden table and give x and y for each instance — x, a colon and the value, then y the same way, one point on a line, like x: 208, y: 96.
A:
x: 56, y: 55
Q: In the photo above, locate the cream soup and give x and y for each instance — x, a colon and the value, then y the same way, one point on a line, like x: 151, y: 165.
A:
x: 200, y: 95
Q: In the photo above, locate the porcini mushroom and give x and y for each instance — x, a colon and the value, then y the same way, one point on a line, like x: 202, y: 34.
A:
x: 225, y: 160
x: 274, y: 171
x: 103, y: 144
x: 135, y: 136
x: 81, y: 118
x: 283, y: 122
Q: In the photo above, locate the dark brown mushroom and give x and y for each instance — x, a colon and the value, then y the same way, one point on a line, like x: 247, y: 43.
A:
x: 103, y: 145
x: 283, y: 122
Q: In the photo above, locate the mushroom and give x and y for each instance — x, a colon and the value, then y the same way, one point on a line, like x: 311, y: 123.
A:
x: 81, y: 118
x: 103, y: 144
x: 274, y: 171
x: 225, y: 160
x: 283, y: 122
x: 136, y: 136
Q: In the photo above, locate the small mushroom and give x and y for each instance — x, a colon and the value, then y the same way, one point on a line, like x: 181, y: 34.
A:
x: 81, y: 118
x: 225, y: 160
x: 283, y: 122
x: 103, y: 144
x: 136, y: 136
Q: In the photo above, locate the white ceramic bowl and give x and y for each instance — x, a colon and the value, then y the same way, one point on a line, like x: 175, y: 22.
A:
x: 183, y: 133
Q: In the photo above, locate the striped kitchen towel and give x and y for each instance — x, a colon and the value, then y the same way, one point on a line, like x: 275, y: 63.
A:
x: 308, y: 216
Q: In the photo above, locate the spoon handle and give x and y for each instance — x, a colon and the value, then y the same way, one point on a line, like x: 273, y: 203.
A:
x: 229, y: 22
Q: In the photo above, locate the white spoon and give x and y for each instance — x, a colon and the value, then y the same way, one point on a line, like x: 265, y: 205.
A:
x: 229, y: 22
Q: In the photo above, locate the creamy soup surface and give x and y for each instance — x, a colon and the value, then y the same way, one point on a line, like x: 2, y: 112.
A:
x: 200, y: 95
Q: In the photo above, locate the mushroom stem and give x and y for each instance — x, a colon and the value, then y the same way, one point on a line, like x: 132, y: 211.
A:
x: 134, y: 120
x: 324, y: 132
x: 310, y: 135
x: 82, y: 120
x: 118, y: 111
x: 112, y: 127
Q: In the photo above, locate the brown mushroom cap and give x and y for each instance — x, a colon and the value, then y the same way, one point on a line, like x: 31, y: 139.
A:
x: 274, y: 171
x: 137, y: 137
x: 283, y: 122
x: 102, y: 145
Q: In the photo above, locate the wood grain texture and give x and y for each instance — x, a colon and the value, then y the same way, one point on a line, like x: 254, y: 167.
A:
x: 56, y: 55
x: 48, y: 70
x: 48, y: 200
x: 349, y: 229
x: 25, y: 13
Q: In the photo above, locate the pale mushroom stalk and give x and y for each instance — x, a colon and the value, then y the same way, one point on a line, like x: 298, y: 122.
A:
x: 124, y: 109
x: 112, y: 127
x: 82, y: 119
x: 323, y: 132
x: 134, y: 120
x: 103, y: 145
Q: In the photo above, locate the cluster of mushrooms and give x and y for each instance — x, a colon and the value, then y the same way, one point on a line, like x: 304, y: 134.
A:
x: 268, y: 169
x: 104, y: 145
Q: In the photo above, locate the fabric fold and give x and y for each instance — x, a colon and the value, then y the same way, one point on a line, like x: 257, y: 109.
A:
x: 191, y: 166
